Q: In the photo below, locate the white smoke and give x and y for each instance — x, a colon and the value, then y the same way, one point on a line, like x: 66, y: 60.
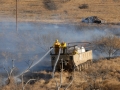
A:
x: 33, y: 39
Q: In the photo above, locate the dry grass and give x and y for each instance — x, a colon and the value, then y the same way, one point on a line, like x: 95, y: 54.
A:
x: 104, y: 74
x: 34, y: 10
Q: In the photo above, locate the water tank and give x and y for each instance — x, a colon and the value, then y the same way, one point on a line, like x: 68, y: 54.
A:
x: 79, y: 50
x: 82, y: 49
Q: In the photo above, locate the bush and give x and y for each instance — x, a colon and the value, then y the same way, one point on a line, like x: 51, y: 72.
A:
x: 108, y: 44
x: 50, y: 5
x: 116, y: 1
x: 64, y: 1
x: 83, y: 6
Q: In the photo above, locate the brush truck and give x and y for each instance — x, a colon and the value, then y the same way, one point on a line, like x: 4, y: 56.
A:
x: 70, y: 57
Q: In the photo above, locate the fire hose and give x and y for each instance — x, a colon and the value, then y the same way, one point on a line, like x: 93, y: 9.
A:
x: 56, y: 63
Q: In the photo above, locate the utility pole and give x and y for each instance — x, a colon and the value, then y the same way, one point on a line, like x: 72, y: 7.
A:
x: 16, y: 17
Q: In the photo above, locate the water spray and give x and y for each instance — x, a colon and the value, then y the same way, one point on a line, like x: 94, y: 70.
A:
x: 34, y: 64
x: 56, y: 63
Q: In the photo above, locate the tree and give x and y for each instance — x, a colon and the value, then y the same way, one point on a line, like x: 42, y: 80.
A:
x: 23, y: 73
x: 11, y: 78
x: 9, y: 73
x: 108, y: 44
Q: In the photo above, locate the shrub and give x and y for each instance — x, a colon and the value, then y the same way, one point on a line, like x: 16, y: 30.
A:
x: 116, y: 1
x: 83, y: 6
x: 50, y: 5
x: 64, y: 1
x: 109, y: 44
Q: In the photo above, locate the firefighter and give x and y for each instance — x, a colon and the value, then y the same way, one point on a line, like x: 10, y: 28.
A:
x: 63, y: 47
x: 56, y: 46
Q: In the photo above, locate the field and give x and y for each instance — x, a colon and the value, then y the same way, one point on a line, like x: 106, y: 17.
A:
x: 103, y: 75
x: 40, y: 23
x: 60, y: 10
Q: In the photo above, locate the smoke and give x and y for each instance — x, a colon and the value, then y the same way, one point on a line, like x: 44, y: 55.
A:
x: 33, y: 39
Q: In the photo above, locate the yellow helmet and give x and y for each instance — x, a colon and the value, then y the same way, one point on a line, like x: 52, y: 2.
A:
x: 56, y: 40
